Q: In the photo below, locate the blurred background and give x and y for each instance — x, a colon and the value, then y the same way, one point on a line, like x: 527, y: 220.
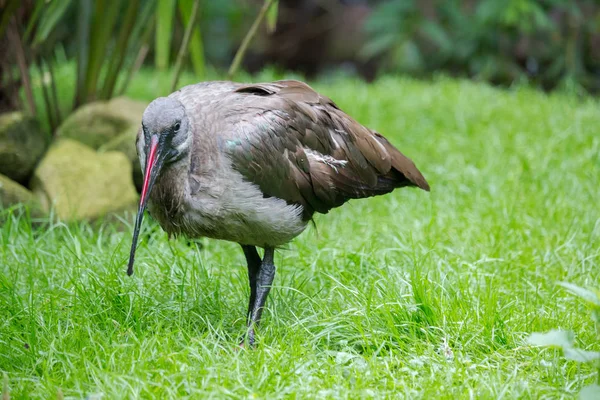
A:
x: 57, y: 56
x: 544, y: 42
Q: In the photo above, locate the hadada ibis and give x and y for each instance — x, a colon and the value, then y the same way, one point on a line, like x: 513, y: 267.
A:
x: 252, y: 163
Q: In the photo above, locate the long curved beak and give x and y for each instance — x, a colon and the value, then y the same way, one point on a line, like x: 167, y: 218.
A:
x: 153, y: 166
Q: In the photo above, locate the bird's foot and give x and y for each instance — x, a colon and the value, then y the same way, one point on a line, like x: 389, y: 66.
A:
x: 248, y: 341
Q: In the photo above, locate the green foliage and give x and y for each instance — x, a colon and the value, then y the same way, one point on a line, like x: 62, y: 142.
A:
x: 500, y: 41
x: 104, y: 18
x: 565, y: 339
x: 196, y: 47
x: 51, y: 16
x: 271, y: 18
x: 241, y: 51
x: 164, y: 31
x: 120, y: 49
x: 110, y: 44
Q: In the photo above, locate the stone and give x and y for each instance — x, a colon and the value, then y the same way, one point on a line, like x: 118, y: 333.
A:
x: 12, y: 193
x: 83, y: 184
x: 125, y: 143
x: 129, y: 109
x: 22, y: 144
x: 96, y: 124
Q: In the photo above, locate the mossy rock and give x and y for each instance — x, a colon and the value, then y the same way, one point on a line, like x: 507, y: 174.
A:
x: 22, y: 144
x: 125, y: 143
x: 83, y: 184
x: 97, y: 123
x: 131, y: 110
x: 12, y: 193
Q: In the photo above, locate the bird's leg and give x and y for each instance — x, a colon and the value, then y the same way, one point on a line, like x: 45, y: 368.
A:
x: 265, y: 277
x: 253, y: 260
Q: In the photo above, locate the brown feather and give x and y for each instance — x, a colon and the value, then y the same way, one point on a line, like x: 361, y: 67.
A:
x: 297, y: 145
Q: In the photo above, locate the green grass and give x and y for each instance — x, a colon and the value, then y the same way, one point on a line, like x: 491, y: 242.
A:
x: 406, y: 295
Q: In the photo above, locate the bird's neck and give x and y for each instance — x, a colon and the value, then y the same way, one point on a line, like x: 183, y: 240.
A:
x: 168, y: 194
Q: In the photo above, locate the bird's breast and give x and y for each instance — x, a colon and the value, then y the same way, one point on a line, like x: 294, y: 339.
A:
x: 226, y: 207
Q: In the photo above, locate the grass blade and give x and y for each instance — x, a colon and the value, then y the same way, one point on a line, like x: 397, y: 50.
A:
x: 589, y: 296
x: 164, y: 32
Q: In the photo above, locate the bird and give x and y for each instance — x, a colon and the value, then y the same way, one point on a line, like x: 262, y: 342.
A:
x: 252, y: 164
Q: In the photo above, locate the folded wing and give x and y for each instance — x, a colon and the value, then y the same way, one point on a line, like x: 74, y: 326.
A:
x: 297, y: 145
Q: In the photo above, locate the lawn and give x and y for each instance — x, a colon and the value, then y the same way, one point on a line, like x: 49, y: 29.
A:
x: 413, y: 294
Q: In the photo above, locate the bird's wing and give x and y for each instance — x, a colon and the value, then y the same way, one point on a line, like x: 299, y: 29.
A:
x: 297, y: 145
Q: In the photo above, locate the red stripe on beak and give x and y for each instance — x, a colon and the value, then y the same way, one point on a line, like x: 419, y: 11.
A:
x: 151, y: 160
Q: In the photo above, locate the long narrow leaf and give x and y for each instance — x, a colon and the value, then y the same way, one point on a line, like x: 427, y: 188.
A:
x: 239, y: 55
x: 118, y: 56
x: 51, y: 16
x: 271, y: 17
x: 47, y: 99
x: 19, y: 51
x: 139, y: 46
x: 553, y: 338
x: 54, y: 93
x: 103, y: 21
x: 589, y: 296
x: 84, y: 16
x: 196, y: 47
x: 141, y: 56
x: 145, y: 18
x: 7, y: 12
x: 185, y: 43
x: 164, y: 32
x: 32, y: 21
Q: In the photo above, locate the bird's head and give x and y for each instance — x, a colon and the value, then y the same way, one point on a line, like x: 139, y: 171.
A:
x: 164, y: 139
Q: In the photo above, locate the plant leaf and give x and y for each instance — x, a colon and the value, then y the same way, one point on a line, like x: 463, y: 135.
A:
x: 117, y: 56
x: 585, y: 294
x: 378, y: 46
x: 51, y: 16
x: 8, y: 10
x: 590, y: 392
x: 196, y: 46
x: 104, y: 18
x: 553, y: 338
x: 272, y: 16
x: 35, y: 16
x: 164, y: 32
x: 580, y: 355
x: 436, y: 33
x: 84, y: 16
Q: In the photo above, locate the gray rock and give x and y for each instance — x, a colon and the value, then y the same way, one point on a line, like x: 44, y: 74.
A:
x: 22, y: 144
x: 98, y: 123
x: 125, y: 143
x: 132, y: 110
x: 83, y: 184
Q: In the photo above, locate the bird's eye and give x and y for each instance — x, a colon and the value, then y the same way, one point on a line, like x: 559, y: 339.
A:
x: 177, y: 126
